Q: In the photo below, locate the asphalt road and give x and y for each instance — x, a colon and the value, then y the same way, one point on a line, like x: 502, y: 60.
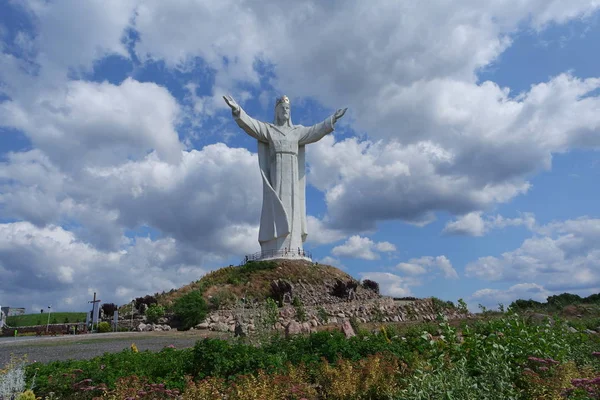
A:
x: 46, y: 349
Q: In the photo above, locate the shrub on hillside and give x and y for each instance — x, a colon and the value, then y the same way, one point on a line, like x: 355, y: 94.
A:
x: 371, y: 285
x: 147, y: 300
x: 190, y: 309
x: 109, y: 309
x: 222, y: 298
x: 154, y: 313
x: 342, y: 289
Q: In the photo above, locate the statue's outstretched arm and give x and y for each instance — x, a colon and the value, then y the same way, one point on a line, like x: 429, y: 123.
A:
x: 251, y: 126
x: 318, y: 131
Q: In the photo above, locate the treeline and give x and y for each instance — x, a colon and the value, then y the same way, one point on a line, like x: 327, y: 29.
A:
x: 555, y: 302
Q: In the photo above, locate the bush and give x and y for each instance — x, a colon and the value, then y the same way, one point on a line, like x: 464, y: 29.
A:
x: 342, y: 289
x: 190, y: 310
x: 300, y: 311
x: 26, y: 395
x: 222, y: 298
x: 104, y: 327
x: 109, y: 309
x: 147, y: 300
x: 371, y: 285
x: 154, y: 313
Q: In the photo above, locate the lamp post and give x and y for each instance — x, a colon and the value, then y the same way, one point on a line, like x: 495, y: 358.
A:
x: 132, y: 303
x: 49, y: 311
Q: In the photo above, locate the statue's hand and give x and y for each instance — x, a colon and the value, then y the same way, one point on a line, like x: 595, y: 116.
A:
x: 235, y: 107
x: 339, y: 114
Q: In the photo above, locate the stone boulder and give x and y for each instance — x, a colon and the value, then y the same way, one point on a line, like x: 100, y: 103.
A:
x: 220, y: 327
x: 347, y: 329
x: 293, y: 328
x: 203, y: 325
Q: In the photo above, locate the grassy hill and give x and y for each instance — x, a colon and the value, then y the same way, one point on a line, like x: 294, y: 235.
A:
x: 253, y: 280
x: 42, y: 319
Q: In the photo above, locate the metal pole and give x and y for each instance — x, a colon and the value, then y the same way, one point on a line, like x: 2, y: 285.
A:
x: 49, y: 311
x: 132, y: 302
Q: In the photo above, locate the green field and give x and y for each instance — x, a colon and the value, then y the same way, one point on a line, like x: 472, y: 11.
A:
x: 42, y: 319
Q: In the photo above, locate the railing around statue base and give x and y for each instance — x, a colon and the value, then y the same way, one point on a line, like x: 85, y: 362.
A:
x: 268, y: 254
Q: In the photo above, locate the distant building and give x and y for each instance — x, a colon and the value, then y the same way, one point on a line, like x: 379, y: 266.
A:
x: 13, y: 311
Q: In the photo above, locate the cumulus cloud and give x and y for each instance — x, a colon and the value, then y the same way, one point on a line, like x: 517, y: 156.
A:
x: 50, y: 265
x: 328, y: 260
x: 566, y: 256
x: 319, y: 233
x: 390, y: 284
x: 179, y: 200
x: 473, y: 224
x: 526, y: 291
x: 428, y: 264
x: 362, y: 247
x: 99, y: 123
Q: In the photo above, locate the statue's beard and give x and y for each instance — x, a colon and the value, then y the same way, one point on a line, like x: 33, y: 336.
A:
x: 279, y: 121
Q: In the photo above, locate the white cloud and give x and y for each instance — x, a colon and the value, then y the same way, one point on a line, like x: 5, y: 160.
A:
x: 460, y: 146
x: 428, y: 264
x: 385, y: 247
x: 328, y: 260
x: 49, y: 265
x: 99, y: 123
x: 472, y: 224
x: 492, y: 297
x: 319, y: 233
x: 390, y: 284
x: 189, y: 201
x: 366, y: 182
x: 362, y: 247
x: 566, y: 257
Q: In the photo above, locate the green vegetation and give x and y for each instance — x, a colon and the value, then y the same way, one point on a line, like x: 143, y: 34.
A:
x: 299, y: 308
x: 104, y: 327
x: 253, y: 280
x: 497, y: 358
x: 235, y: 275
x: 190, y: 310
x: 557, y: 303
x: 42, y: 319
x: 154, y: 313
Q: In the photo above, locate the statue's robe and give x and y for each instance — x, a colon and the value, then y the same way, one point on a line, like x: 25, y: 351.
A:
x: 282, y: 166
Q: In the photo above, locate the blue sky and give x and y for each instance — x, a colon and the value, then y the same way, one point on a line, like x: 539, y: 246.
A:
x: 466, y: 166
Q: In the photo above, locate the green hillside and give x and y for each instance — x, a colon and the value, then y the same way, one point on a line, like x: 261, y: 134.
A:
x: 42, y: 319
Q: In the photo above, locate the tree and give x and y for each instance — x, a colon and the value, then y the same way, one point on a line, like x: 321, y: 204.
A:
x: 190, y: 309
x: 147, y: 300
x: 371, y: 285
x: 109, y: 309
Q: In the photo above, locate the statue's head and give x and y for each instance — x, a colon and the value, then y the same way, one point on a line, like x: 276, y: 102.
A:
x: 283, y: 111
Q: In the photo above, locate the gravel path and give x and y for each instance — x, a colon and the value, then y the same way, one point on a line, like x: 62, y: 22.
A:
x: 46, y: 349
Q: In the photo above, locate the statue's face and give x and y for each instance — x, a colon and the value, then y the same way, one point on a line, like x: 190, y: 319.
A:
x: 283, y: 112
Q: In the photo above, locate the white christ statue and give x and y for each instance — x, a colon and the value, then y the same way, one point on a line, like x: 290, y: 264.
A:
x: 282, y: 167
